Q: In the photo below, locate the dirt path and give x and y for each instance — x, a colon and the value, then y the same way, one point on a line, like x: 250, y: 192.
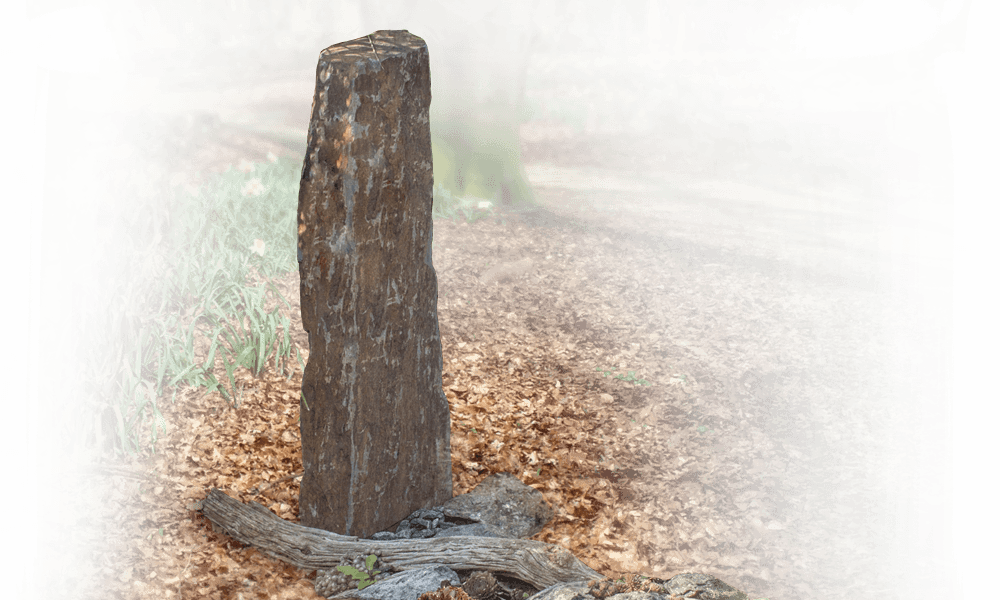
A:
x: 809, y: 234
x: 814, y: 229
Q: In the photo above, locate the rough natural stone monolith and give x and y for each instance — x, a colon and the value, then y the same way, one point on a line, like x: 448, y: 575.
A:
x: 375, y: 422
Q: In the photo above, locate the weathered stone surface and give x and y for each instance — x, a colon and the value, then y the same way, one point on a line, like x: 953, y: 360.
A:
x: 407, y: 585
x: 375, y: 422
x: 685, y: 585
x: 442, y: 583
x: 500, y: 506
x: 504, y: 503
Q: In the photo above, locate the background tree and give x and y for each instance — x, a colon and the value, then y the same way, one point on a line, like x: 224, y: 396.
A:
x: 479, y: 63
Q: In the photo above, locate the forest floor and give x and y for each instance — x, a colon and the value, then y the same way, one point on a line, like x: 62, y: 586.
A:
x: 699, y: 375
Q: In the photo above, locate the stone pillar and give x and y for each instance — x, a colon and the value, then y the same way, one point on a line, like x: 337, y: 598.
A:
x: 375, y: 422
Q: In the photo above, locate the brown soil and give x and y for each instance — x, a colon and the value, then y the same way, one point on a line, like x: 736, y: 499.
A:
x: 753, y: 449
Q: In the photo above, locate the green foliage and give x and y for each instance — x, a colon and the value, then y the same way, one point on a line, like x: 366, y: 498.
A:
x: 185, y: 273
x: 469, y: 209
x: 630, y: 377
x: 467, y: 167
x: 364, y: 578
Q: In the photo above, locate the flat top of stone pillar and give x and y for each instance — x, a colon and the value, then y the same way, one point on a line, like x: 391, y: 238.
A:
x: 383, y: 43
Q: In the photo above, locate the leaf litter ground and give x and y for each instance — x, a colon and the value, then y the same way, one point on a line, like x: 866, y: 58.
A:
x: 753, y: 453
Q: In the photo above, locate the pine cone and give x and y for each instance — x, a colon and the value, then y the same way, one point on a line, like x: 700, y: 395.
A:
x: 604, y: 588
x: 482, y: 585
x: 445, y: 593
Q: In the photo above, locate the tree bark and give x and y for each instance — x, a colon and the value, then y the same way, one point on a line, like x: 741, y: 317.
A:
x: 537, y: 563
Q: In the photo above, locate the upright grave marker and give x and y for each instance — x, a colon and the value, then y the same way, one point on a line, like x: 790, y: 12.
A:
x: 375, y: 421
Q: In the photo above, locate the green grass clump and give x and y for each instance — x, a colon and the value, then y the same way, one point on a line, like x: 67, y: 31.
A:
x: 196, y: 267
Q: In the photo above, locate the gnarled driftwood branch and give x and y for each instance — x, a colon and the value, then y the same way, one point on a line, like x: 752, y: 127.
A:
x: 537, y: 563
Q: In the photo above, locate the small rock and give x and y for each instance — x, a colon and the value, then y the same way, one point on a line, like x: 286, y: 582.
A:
x: 504, y: 503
